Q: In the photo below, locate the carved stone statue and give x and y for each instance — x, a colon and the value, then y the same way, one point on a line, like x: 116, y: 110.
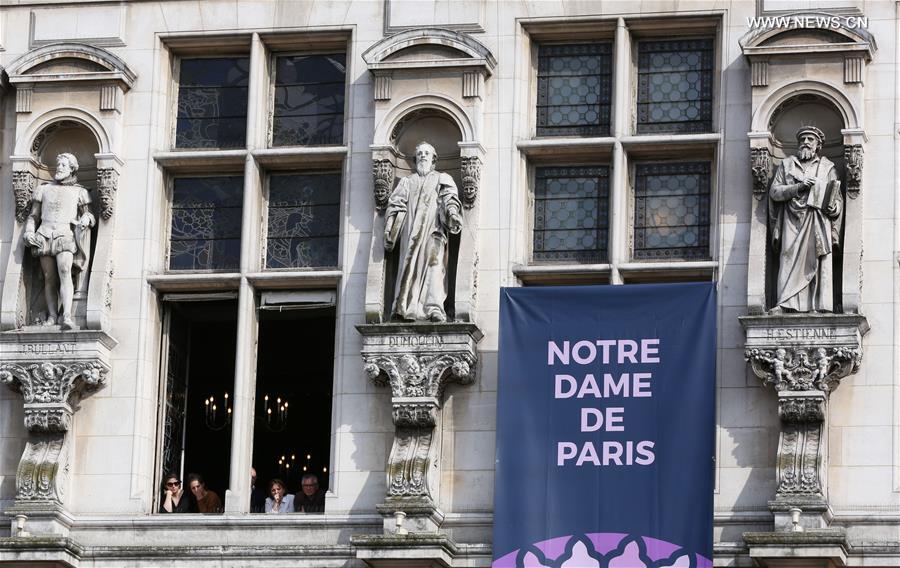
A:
x: 805, y: 215
x: 58, y: 231
x: 422, y: 211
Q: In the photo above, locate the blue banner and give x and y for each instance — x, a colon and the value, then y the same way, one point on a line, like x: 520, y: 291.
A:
x: 606, y: 426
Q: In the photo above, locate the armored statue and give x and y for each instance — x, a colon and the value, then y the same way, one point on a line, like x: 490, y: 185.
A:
x: 805, y: 215
x: 422, y: 212
x: 58, y: 232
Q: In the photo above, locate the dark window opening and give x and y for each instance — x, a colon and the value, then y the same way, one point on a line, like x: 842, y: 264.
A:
x: 201, y: 338
x: 303, y: 220
x: 206, y: 223
x: 295, y: 369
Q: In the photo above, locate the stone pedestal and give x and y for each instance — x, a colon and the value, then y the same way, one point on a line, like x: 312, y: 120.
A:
x: 53, y: 371
x: 417, y: 360
x: 803, y: 357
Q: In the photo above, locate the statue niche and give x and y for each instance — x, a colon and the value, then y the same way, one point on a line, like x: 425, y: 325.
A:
x: 423, y: 220
x: 60, y: 217
x: 805, y: 212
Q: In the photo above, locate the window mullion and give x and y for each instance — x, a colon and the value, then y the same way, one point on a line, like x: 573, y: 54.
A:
x: 621, y: 81
x: 618, y: 213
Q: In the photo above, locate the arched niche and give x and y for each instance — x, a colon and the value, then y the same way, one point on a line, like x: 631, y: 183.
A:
x: 76, y: 132
x: 441, y: 130
x: 58, y: 137
x: 794, y: 112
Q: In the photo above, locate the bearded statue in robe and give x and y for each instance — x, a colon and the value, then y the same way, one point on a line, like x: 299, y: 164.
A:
x: 422, y: 212
x: 805, y: 216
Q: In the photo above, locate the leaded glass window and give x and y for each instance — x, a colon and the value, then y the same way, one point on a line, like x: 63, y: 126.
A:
x: 675, y: 82
x: 671, y: 211
x: 571, y: 214
x: 212, y: 103
x: 309, y: 100
x: 304, y: 220
x: 206, y: 223
x: 574, y: 89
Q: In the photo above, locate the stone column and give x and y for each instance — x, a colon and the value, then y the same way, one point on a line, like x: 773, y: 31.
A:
x: 417, y: 361
x: 53, y: 372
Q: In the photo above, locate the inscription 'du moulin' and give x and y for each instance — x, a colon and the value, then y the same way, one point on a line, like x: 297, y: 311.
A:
x: 415, y: 340
x: 800, y: 333
x: 46, y: 348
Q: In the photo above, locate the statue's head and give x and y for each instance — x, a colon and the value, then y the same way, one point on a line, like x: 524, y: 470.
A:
x: 780, y: 354
x: 809, y: 140
x: 426, y: 158
x: 66, y: 166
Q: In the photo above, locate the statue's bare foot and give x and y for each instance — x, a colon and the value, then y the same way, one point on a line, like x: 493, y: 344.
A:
x: 67, y: 323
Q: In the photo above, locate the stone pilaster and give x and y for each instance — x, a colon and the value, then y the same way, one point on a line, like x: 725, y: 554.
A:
x: 417, y: 361
x: 53, y: 372
x: 804, y: 357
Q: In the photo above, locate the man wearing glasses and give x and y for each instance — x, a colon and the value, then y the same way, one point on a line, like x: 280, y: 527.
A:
x: 311, y: 499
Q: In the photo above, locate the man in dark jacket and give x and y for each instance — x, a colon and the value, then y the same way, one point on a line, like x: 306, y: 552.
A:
x: 311, y: 499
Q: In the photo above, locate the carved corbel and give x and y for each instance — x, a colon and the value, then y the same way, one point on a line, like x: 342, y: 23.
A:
x: 417, y: 362
x: 383, y: 174
x: 761, y: 165
x: 107, y: 186
x: 23, y: 189
x: 804, y: 369
x: 470, y: 169
x: 853, y: 157
x: 799, y: 450
x: 51, y: 392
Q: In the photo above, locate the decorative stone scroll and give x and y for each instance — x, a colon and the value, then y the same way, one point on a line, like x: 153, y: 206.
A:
x: 417, y: 361
x: 853, y: 166
x: 23, y: 188
x: 53, y: 372
x: 761, y: 166
x: 804, y: 357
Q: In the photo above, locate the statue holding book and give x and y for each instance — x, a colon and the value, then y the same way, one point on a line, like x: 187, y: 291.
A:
x: 805, y: 215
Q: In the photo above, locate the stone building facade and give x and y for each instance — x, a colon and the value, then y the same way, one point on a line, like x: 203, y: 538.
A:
x: 234, y: 309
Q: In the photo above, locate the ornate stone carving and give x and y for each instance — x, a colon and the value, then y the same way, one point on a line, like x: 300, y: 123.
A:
x: 107, y: 186
x: 417, y: 361
x: 470, y: 168
x: 800, y: 454
x: 53, y: 372
x: 853, y: 166
x: 804, y: 357
x: 23, y: 188
x: 383, y: 173
x: 803, y: 369
x: 761, y: 165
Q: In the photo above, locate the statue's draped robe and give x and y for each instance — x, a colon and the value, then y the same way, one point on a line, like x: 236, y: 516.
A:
x: 804, y: 236
x: 419, y: 205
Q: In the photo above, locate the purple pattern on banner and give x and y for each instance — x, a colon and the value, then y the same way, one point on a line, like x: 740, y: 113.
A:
x: 553, y: 548
x: 610, y: 550
x: 658, y: 549
x: 604, y: 542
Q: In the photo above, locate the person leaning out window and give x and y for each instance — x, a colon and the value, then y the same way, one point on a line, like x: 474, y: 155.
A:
x: 174, y: 498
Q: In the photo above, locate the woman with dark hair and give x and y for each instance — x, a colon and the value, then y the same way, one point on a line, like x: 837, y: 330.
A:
x: 279, y: 503
x: 174, y: 499
x: 207, y: 501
